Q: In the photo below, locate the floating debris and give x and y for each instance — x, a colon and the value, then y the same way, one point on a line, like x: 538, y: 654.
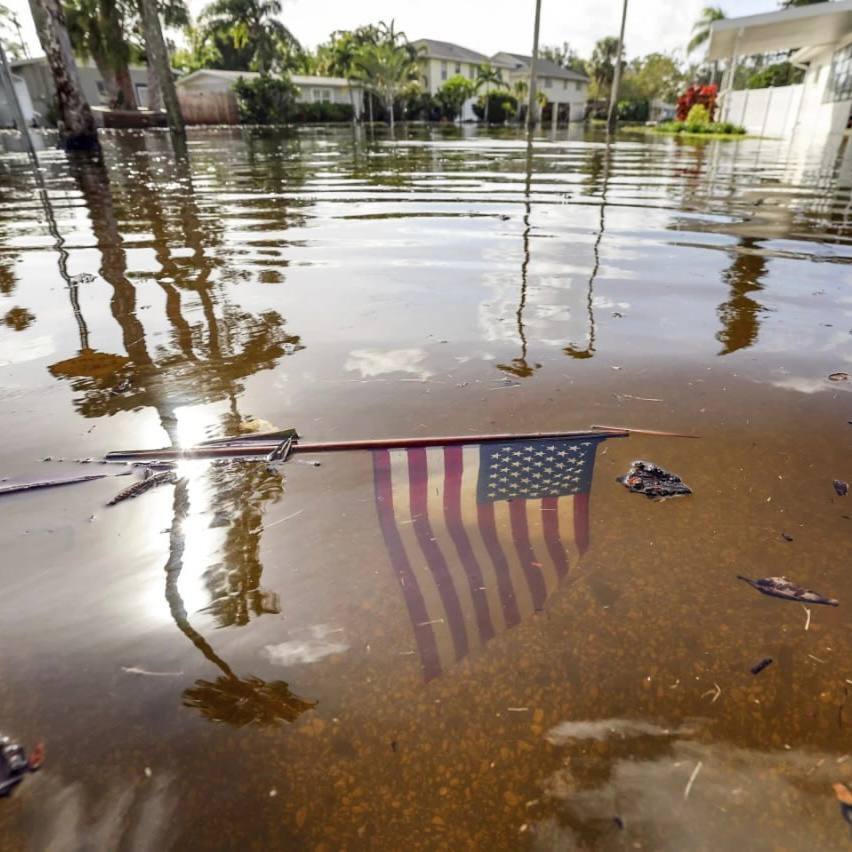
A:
x: 82, y: 278
x: 136, y: 670
x: 763, y: 664
x: 781, y: 587
x: 151, y: 480
x: 841, y: 487
x: 14, y: 764
x: 839, y: 377
x: 54, y: 483
x: 844, y: 796
x: 692, y: 780
x: 786, y: 537
x: 653, y: 481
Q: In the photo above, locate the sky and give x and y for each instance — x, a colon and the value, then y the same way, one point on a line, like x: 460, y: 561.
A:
x: 487, y: 26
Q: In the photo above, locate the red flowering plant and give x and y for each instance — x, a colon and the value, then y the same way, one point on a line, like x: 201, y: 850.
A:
x: 703, y: 95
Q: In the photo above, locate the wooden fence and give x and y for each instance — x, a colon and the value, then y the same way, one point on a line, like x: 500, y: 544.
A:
x: 209, y: 107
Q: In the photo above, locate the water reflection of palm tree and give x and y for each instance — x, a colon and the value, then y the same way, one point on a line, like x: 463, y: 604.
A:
x: 519, y: 366
x: 740, y: 315
x: 236, y: 700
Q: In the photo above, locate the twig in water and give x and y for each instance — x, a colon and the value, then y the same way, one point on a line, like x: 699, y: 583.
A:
x: 517, y: 709
x: 714, y: 692
x: 808, y: 619
x: 641, y: 431
x: 137, y: 671
x: 279, y: 521
x: 691, y: 780
x: 433, y: 621
x: 816, y: 658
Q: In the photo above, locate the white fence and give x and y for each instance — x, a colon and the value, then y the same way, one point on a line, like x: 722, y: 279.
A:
x: 764, y: 112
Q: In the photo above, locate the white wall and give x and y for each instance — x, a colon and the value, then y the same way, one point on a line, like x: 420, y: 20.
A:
x: 7, y: 116
x: 764, y: 112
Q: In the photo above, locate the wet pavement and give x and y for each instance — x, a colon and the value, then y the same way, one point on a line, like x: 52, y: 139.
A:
x: 384, y: 651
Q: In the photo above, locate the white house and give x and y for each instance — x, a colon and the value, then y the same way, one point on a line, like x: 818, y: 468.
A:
x: 7, y: 113
x: 566, y: 89
x: 42, y: 90
x: 207, y: 96
x: 821, y: 36
x: 440, y: 60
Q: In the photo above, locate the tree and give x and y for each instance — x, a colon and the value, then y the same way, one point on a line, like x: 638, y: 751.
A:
x: 453, y: 94
x: 8, y: 21
x: 96, y: 30
x: 387, y: 69
x: 158, y: 63
x: 564, y: 56
x: 656, y: 75
x: 787, y: 4
x: 76, y: 123
x: 701, y: 28
x: 602, y: 65
x: 248, y: 36
x: 487, y: 75
x: 265, y: 100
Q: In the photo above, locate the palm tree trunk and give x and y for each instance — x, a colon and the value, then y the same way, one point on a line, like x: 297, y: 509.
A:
x: 390, y: 109
x: 125, y: 87
x: 531, y: 108
x: 612, y: 116
x: 107, y: 76
x: 155, y: 97
x: 487, y: 100
x: 370, y: 105
x: 77, y: 125
x: 158, y: 60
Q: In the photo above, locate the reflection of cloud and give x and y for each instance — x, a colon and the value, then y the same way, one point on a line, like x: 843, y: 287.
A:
x: 602, y: 729
x: 647, y: 795
x: 377, y: 362
x: 803, y: 384
x: 310, y: 650
x: 17, y: 352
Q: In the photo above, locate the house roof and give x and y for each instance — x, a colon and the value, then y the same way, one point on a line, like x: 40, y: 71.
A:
x: 447, y: 50
x: 799, y: 26
x: 543, y: 67
x: 298, y: 79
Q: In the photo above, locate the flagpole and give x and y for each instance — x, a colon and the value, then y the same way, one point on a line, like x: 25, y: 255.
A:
x: 256, y: 445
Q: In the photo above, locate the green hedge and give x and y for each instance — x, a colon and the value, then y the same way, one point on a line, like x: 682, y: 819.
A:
x: 321, y: 112
x: 725, y: 128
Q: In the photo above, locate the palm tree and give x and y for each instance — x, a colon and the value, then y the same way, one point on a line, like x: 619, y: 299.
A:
x: 486, y: 75
x: 701, y: 29
x: 248, y: 34
x: 77, y: 125
x: 386, y: 69
x: 158, y: 63
x: 96, y: 29
x: 603, y: 63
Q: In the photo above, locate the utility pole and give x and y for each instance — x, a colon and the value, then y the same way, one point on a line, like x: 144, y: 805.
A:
x: 7, y: 84
x: 531, y: 107
x: 612, y: 117
x: 158, y: 61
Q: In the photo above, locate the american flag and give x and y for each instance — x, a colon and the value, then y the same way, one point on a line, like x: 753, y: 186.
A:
x: 479, y: 535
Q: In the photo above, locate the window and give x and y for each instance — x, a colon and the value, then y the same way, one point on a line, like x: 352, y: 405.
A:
x: 564, y: 84
x: 548, y: 83
x: 458, y: 67
x: 579, y: 86
x: 839, y: 86
x: 322, y: 96
x: 142, y: 94
x: 443, y: 70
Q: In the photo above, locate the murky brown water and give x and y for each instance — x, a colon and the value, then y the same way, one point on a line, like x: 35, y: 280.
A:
x: 343, y: 657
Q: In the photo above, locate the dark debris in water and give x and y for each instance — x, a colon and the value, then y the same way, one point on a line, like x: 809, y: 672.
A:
x: 841, y: 487
x: 647, y: 478
x: 14, y: 764
x: 763, y: 664
x: 781, y: 587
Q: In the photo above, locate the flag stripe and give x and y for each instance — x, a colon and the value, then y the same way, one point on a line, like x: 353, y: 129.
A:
x: 423, y: 633
x: 487, y: 528
x: 521, y: 537
x: 544, y: 561
x: 550, y: 522
x: 581, y: 521
x: 453, y: 467
x: 418, y: 483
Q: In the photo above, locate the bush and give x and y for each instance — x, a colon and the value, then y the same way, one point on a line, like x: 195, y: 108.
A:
x: 717, y: 127
x: 265, y: 99
x: 452, y: 95
x: 322, y: 112
x: 704, y: 95
x: 501, y: 107
x: 698, y: 115
x: 637, y: 109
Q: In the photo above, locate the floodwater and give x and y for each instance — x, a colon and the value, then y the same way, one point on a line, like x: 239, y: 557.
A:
x: 382, y: 651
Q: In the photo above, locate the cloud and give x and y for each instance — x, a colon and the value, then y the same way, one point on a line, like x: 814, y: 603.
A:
x: 311, y: 650
x: 379, y: 362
